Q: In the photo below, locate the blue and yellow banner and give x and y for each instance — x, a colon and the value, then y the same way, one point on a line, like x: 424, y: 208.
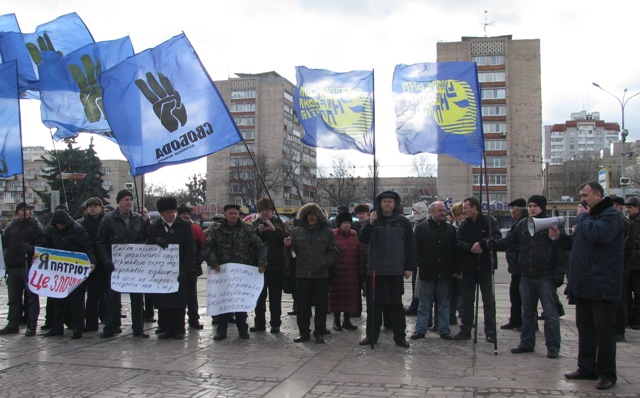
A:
x: 335, y: 109
x: 56, y: 273
x: 438, y: 110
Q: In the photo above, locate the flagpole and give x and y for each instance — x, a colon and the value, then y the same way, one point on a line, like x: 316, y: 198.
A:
x: 491, y: 260
x: 24, y: 185
x: 64, y: 191
x: 255, y: 165
x: 375, y: 190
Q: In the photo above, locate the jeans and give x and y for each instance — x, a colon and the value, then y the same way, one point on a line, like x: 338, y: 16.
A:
x: 469, y: 282
x: 596, y: 338
x: 427, y: 289
x: 531, y: 290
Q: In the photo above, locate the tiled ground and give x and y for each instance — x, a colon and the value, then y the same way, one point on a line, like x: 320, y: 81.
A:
x: 273, y: 366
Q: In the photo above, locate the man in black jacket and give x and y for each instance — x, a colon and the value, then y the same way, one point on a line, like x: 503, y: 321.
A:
x: 19, y: 240
x: 542, y: 273
x: 392, y: 255
x: 66, y: 234
x: 477, y: 268
x: 272, y: 232
x: 436, y: 247
x: 120, y: 226
x: 97, y: 281
x: 518, y: 210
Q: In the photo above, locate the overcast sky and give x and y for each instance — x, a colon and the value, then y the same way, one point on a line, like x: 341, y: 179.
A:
x: 581, y: 42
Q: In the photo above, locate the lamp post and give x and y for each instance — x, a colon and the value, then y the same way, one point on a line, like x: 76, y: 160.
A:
x: 624, y: 181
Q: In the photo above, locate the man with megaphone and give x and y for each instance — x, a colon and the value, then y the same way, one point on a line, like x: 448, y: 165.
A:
x: 542, y: 274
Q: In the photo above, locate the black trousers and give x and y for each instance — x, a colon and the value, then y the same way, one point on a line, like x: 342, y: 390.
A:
x: 515, y: 314
x: 273, y: 282
x: 312, y: 292
x: 171, y: 320
x: 94, y: 297
x: 112, y: 313
x: 74, y: 303
x: 192, y: 298
x: 389, y: 288
x: 17, y: 285
x: 596, y: 338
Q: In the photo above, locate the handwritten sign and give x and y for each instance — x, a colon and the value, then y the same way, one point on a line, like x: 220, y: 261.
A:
x: 145, y: 268
x: 56, y: 273
x: 234, y: 289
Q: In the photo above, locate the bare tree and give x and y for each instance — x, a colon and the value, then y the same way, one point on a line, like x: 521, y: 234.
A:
x: 153, y: 192
x: 424, y: 185
x: 244, y: 181
x: 339, y: 185
x: 292, y: 175
x: 565, y: 180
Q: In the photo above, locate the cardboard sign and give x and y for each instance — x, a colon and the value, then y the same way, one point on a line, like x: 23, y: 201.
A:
x: 235, y: 288
x: 56, y: 273
x: 145, y: 268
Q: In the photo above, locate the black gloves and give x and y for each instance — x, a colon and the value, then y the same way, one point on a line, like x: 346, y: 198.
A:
x: 161, y: 242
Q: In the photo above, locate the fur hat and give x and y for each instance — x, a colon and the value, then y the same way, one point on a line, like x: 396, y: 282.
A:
x: 264, y: 204
x: 184, y: 208
x: 123, y: 193
x: 540, y: 200
x: 166, y: 203
x: 311, y: 207
x: 520, y: 202
x: 342, y: 217
x: 421, y: 211
x: 93, y: 201
x: 361, y: 208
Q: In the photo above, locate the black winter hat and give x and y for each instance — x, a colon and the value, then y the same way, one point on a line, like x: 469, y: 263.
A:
x: 540, y: 200
x: 166, y: 203
x: 122, y: 194
x: 342, y: 217
x: 184, y: 208
x: 520, y: 202
x: 22, y: 205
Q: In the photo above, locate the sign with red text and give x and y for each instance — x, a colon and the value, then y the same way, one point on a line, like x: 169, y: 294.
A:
x: 235, y: 288
x: 56, y: 273
x: 142, y: 268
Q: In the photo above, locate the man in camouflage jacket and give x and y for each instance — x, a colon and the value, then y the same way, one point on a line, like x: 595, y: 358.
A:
x: 232, y: 241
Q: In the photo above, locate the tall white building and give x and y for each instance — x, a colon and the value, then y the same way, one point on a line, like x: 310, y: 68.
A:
x: 585, y: 135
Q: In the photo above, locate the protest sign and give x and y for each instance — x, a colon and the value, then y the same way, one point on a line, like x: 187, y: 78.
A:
x: 56, y: 273
x: 145, y: 268
x: 234, y: 289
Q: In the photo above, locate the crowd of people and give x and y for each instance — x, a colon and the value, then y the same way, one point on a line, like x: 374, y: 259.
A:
x: 328, y: 266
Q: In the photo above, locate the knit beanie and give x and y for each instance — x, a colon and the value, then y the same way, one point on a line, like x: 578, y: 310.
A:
x: 122, y: 194
x: 540, y: 200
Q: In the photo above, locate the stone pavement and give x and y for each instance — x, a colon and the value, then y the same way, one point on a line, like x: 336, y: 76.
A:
x: 274, y: 366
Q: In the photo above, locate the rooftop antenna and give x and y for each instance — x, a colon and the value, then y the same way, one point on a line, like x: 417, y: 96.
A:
x: 486, y: 22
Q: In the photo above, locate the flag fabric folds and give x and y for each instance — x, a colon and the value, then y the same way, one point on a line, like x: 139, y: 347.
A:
x: 9, y: 23
x: 10, y: 137
x: 164, y: 109
x: 71, y: 98
x: 335, y: 109
x: 61, y: 36
x: 438, y: 110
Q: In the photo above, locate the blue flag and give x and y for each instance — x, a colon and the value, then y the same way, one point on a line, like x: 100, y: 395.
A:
x: 10, y: 137
x: 71, y: 98
x: 60, y: 36
x: 335, y: 109
x: 438, y: 110
x: 164, y: 109
x: 9, y: 23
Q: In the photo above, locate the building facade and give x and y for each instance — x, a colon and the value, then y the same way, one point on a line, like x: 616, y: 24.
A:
x: 584, y: 135
x: 262, y: 106
x: 509, y: 75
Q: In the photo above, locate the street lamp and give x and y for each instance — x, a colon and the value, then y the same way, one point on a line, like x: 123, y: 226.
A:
x: 624, y: 181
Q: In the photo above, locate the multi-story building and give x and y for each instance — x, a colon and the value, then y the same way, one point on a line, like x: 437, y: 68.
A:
x: 262, y: 106
x: 117, y: 175
x: 585, y: 135
x: 510, y: 84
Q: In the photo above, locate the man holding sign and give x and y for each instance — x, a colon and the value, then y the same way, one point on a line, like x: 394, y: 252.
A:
x: 232, y: 241
x: 66, y: 234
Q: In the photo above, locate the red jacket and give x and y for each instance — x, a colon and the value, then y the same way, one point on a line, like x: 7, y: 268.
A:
x: 344, y: 288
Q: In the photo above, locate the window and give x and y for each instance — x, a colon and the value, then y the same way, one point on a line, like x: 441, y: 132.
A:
x: 107, y: 170
x: 243, y: 107
x: 106, y: 183
x: 495, y: 145
x: 245, y: 121
x: 494, y: 127
x: 238, y: 148
x: 243, y: 94
x: 494, y: 179
x: 248, y: 134
x: 288, y: 96
x: 488, y: 60
x: 487, y: 77
x: 239, y: 161
x: 499, y: 161
x: 500, y: 110
x: 494, y: 93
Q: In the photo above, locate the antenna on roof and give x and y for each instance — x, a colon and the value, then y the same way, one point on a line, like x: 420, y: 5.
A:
x: 486, y: 22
